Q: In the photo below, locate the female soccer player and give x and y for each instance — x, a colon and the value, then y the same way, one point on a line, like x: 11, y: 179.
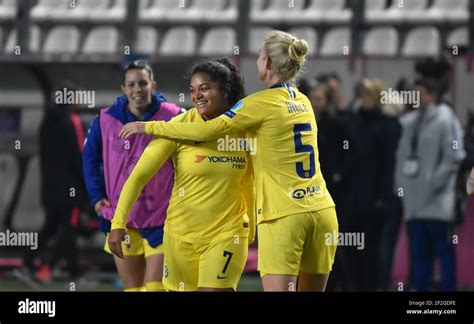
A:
x: 211, y: 206
x: 298, y: 229
x: 107, y: 162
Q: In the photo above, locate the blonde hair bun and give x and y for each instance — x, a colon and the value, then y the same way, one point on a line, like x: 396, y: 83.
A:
x: 298, y: 50
x: 287, y: 52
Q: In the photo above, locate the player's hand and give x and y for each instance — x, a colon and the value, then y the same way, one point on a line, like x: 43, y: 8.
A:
x: 116, y: 237
x: 131, y: 129
x: 99, y: 204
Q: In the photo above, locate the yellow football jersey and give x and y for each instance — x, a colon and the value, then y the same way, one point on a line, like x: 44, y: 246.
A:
x: 288, y: 177
x: 212, y: 187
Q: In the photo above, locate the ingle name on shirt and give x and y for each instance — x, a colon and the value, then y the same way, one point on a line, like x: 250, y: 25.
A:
x: 296, y: 107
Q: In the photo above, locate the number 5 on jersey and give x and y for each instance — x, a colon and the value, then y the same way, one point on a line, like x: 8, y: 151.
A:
x: 302, y: 148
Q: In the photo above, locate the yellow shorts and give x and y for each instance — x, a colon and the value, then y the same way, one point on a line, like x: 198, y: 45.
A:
x: 138, y: 245
x: 297, y: 243
x: 217, y: 264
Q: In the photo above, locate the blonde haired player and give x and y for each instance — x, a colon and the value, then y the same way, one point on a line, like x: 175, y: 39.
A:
x: 295, y: 213
x: 210, y: 216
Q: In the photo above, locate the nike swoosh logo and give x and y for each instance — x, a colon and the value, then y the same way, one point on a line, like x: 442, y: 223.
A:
x: 219, y: 277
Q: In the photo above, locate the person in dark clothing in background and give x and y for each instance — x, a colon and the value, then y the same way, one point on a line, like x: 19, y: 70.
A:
x: 337, y: 154
x: 376, y: 211
x: 63, y: 192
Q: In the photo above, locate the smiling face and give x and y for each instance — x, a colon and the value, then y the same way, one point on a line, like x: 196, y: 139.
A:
x: 207, y: 97
x: 138, y: 88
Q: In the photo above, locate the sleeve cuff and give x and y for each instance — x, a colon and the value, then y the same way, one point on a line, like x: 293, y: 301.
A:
x: 148, y: 128
x: 118, y: 225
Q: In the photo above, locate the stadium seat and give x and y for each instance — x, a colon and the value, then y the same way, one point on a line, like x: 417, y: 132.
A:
x: 81, y: 10
x: 62, y: 39
x: 422, y: 41
x: 458, y: 37
x: 331, y: 11
x: 114, y: 13
x: 256, y: 8
x: 8, y: 9
x: 414, y: 10
x: 227, y: 14
x: 278, y: 10
x: 179, y: 41
x: 30, y: 214
x: 218, y: 41
x: 309, y: 35
x: 450, y: 10
x: 156, y: 10
x: 381, y: 41
x: 371, y: 5
x: 256, y: 37
x: 206, y: 10
x: 143, y: 4
x: 49, y: 10
x: 410, y: 10
x: 146, y: 41
x: 101, y: 40
x: 374, y: 8
x: 167, y: 10
x: 335, y: 41
x: 193, y: 11
x: 34, y: 42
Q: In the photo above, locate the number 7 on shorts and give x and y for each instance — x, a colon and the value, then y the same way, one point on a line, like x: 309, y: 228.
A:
x: 229, y: 255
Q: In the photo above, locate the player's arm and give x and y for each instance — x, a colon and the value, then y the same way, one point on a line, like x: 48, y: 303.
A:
x: 154, y: 156
x: 248, y: 191
x: 202, y: 131
x: 246, y: 113
x: 451, y: 156
x: 92, y: 164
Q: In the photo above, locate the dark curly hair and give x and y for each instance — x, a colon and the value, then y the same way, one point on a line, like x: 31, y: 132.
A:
x: 223, y: 72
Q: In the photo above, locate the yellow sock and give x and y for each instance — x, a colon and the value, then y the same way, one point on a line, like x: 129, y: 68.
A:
x: 154, y: 286
x: 135, y: 289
